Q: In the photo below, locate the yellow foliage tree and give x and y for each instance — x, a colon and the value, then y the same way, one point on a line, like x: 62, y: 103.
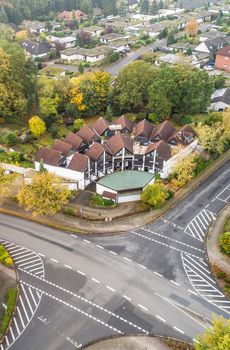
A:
x: 226, y: 123
x: 213, y: 138
x: 183, y: 171
x: 37, y: 126
x: 77, y: 99
x: 21, y: 35
x: 216, y: 337
x: 45, y: 196
x: 6, y: 185
x: 155, y: 195
x: 192, y: 28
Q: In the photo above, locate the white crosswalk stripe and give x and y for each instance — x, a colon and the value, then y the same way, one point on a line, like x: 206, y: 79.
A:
x: 29, y: 299
x: 202, y: 282
x: 198, y: 226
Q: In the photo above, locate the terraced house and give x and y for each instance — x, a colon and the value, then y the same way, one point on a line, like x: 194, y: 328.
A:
x: 104, y: 148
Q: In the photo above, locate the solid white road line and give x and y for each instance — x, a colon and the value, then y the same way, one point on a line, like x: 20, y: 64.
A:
x: 24, y: 256
x: 29, y: 262
x: 12, y: 334
x: 16, y: 325
x: 23, y: 306
x: 20, y: 316
x: 27, y: 299
x: 35, y: 303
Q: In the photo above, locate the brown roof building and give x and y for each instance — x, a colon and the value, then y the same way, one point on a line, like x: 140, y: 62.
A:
x: 101, y: 126
x: 163, y: 150
x: 162, y: 131
x: 87, y: 134
x: 48, y: 156
x: 126, y: 124
x: 117, y: 142
x: 223, y: 59
x: 74, y: 140
x: 184, y: 136
x: 95, y: 151
x: 72, y: 15
x: 143, y: 129
x: 79, y: 162
x: 62, y: 146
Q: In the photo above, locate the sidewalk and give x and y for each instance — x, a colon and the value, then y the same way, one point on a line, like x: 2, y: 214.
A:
x: 216, y: 258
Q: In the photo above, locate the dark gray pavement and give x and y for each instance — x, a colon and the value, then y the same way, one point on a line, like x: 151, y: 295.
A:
x: 152, y: 280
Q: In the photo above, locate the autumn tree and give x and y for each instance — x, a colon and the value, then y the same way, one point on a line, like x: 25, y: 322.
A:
x: 192, y: 28
x: 216, y: 337
x: 90, y: 92
x: 212, y: 137
x: 37, y: 126
x: 6, y: 185
x: 44, y: 196
x: 183, y: 171
x: 155, y: 195
x: 78, y: 124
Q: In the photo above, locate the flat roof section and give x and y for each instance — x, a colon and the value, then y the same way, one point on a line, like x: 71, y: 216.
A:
x: 126, y: 180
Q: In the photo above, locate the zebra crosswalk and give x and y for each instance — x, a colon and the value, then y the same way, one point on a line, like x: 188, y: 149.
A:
x: 198, y: 226
x: 29, y: 299
x: 202, y: 281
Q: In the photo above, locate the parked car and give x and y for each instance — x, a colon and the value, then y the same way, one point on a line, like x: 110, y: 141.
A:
x: 208, y: 67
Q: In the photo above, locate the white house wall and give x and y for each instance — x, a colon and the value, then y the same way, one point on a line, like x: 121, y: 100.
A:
x: 129, y: 198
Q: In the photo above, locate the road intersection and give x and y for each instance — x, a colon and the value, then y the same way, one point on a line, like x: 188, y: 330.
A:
x: 76, y: 289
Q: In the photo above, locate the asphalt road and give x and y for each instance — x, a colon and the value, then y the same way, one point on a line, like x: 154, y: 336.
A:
x: 154, y: 280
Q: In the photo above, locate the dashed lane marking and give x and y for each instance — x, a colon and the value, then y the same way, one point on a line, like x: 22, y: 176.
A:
x: 160, y: 318
x: 110, y: 288
x: 86, y: 300
x: 142, y: 307
x: 68, y: 267
x: 178, y: 330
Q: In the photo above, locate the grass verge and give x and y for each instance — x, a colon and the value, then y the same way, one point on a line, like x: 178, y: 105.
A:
x: 11, y: 297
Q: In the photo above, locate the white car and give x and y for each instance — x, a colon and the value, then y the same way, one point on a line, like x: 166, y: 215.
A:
x: 209, y: 67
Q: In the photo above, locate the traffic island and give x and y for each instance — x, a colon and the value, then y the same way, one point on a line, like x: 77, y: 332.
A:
x: 8, y: 291
x: 139, y: 343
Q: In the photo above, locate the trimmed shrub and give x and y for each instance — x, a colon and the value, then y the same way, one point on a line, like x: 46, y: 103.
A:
x: 224, y: 242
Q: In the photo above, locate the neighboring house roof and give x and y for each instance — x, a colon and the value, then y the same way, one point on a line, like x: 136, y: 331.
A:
x: 213, y: 44
x: 111, y: 36
x: 221, y: 95
x: 163, y: 130
x: 144, y: 128
x: 86, y: 133
x: 100, y: 126
x: 48, y: 156
x: 68, y: 15
x: 225, y: 51
x: 96, y: 51
x: 125, y: 123
x: 182, y: 135
x: 95, y: 151
x: 117, y: 142
x: 162, y: 149
x: 36, y: 48
x: 74, y: 140
x: 62, y: 146
x: 79, y: 162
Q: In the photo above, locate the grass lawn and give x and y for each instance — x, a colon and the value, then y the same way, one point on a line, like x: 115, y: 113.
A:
x: 7, y: 128
x: 45, y: 140
x: 197, y: 118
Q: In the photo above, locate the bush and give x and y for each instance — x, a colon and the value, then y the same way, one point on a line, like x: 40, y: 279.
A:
x: 69, y: 211
x: 156, y: 194
x: 224, y: 242
x: 5, y: 258
x: 201, y: 164
x: 221, y: 275
x: 154, y: 118
x: 11, y: 297
x: 99, y: 202
x: 10, y: 140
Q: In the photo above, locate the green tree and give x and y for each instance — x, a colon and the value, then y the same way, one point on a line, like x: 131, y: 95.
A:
x: 155, y: 195
x: 170, y: 39
x: 130, y: 90
x: 216, y: 337
x: 144, y: 7
x: 153, y: 8
x: 212, y: 137
x: 122, y: 9
x: 6, y: 185
x: 78, y: 124
x: 45, y: 196
x: 49, y: 105
x: 163, y: 33
x: 37, y: 126
x: 81, y: 68
x: 87, y: 7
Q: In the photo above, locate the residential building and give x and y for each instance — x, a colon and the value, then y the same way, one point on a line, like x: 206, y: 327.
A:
x: 193, y: 4
x: 103, y: 148
x: 223, y: 59
x: 211, y: 46
x: 94, y: 31
x: 36, y: 49
x: 70, y: 16
x: 220, y: 100
x: 65, y: 42
x: 108, y: 38
x: 89, y: 55
x: 37, y: 27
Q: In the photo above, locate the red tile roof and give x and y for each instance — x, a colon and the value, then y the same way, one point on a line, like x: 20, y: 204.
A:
x: 125, y: 123
x: 163, y: 130
x: 62, y: 146
x: 117, y: 142
x: 162, y: 149
x: 68, y: 15
x: 100, y: 126
x: 95, y: 151
x: 79, y: 162
x: 144, y: 127
x: 225, y: 51
x: 179, y: 135
x: 48, y: 156
x: 86, y: 133
x: 74, y: 140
